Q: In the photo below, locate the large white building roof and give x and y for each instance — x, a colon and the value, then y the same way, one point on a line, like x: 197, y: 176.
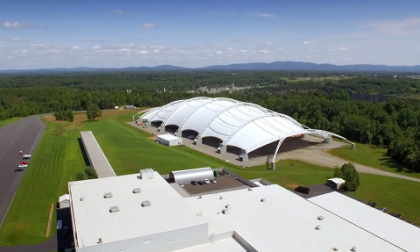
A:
x: 244, y: 125
x: 383, y: 225
x: 93, y: 219
x: 267, y: 218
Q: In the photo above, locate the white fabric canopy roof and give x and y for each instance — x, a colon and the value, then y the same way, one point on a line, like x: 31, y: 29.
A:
x: 244, y: 125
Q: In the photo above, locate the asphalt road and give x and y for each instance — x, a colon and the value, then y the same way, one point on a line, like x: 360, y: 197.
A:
x: 22, y: 135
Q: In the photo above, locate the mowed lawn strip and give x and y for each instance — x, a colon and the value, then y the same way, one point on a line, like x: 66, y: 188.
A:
x: 56, y: 159
x: 9, y: 121
x: 372, y: 157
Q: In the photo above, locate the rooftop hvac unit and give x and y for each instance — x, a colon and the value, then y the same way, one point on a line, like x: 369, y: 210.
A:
x: 114, y: 209
x: 108, y: 195
x: 146, y: 203
x: 136, y: 190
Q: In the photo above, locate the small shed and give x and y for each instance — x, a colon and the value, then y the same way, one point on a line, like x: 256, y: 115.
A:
x: 336, y: 183
x: 169, y: 140
x: 186, y: 176
x: 64, y: 201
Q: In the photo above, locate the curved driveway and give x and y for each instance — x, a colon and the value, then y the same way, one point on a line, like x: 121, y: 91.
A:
x: 320, y: 157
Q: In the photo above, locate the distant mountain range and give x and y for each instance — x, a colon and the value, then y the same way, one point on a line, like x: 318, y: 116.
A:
x: 277, y: 65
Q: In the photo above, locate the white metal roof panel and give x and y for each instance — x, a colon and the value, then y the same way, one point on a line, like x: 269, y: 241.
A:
x: 168, y: 137
x: 383, y: 225
x: 285, y: 222
x: 92, y: 218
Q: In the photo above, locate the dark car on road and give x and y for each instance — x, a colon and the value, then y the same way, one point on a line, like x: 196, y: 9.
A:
x: 396, y: 215
x: 303, y: 189
x: 194, y: 182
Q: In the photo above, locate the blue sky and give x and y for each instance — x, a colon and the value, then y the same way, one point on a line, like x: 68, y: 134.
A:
x: 103, y: 33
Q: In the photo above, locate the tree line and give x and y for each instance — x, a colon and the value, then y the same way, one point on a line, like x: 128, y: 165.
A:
x: 328, y: 104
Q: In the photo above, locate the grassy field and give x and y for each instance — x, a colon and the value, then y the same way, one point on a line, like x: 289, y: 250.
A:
x: 9, y: 121
x: 59, y: 156
x: 373, y: 157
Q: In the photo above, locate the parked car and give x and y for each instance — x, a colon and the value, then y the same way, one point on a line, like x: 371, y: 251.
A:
x: 396, y: 215
x: 24, y: 163
x: 19, y: 169
x: 23, y: 166
x: 27, y: 156
x: 372, y: 204
x: 201, y: 182
x: 213, y: 181
x: 383, y: 209
x: 194, y: 182
x: 303, y: 189
x: 206, y: 181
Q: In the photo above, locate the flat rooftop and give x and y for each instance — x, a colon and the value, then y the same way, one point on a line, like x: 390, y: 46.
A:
x: 168, y: 137
x: 224, y: 183
x: 284, y: 222
x: 383, y: 225
x: 96, y: 156
x: 93, y: 219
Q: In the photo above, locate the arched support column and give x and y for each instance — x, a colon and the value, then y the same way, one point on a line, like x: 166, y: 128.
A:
x: 222, y: 149
x: 273, y: 161
x: 244, y: 156
x: 198, y: 141
x: 328, y: 139
x: 353, y: 146
x: 161, y: 128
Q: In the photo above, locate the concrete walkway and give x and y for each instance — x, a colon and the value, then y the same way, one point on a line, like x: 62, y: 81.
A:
x: 318, y: 156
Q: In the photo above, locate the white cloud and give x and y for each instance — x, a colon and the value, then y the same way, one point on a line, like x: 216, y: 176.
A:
x: 143, y: 52
x: 308, y: 42
x: 243, y: 51
x: 268, y: 43
x: 148, y: 26
x: 219, y: 53
x: 118, y: 12
x: 405, y: 27
x: 18, y: 40
x: 156, y: 51
x: 264, y: 51
x: 14, y: 25
x: 342, y: 48
x: 96, y: 47
x: 279, y: 49
x: 313, y: 50
x: 75, y: 48
x: 263, y: 15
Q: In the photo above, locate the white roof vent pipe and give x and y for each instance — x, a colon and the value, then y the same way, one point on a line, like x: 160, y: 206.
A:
x: 320, y: 218
x: 227, y: 206
x: 354, y: 249
x: 263, y: 200
x: 318, y: 227
x: 82, y: 198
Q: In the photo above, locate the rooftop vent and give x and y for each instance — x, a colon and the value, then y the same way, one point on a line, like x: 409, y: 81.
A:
x: 225, y: 211
x: 221, y: 197
x: 100, y: 240
x: 353, y: 249
x: 136, y: 190
x: 263, y: 200
x: 147, y: 173
x: 82, y: 198
x: 318, y: 227
x: 108, y: 195
x: 227, y: 206
x: 250, y: 189
x: 114, y: 209
x: 320, y: 217
x: 199, y: 197
x: 146, y: 203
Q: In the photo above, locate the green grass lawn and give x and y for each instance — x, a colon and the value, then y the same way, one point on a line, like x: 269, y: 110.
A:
x: 9, y: 121
x: 373, y: 157
x: 58, y: 157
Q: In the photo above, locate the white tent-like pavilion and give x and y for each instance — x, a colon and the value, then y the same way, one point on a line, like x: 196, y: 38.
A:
x: 247, y: 126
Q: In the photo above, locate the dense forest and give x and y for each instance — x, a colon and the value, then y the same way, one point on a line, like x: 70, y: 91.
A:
x: 342, y: 104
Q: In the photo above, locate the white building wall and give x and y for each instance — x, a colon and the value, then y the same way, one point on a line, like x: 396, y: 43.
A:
x: 152, y: 242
